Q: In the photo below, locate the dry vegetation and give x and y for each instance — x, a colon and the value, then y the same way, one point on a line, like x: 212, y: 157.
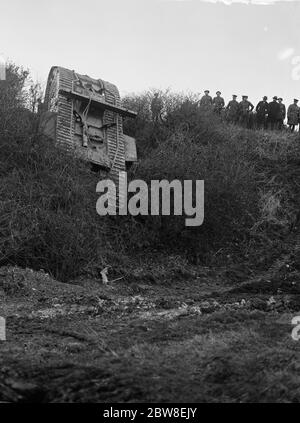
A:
x: 199, y: 315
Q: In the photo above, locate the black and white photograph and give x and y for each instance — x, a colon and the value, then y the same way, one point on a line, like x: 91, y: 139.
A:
x: 149, y: 205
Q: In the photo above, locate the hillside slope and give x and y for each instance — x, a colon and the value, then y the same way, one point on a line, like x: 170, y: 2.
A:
x: 199, y: 315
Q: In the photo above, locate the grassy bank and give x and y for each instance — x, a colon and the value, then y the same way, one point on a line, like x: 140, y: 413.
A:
x: 47, y: 208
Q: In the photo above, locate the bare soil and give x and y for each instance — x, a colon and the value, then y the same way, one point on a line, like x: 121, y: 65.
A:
x: 198, y: 338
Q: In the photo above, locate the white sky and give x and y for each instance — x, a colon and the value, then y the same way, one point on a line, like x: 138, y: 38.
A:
x: 182, y: 44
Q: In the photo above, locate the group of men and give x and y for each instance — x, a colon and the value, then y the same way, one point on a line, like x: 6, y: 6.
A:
x: 268, y: 115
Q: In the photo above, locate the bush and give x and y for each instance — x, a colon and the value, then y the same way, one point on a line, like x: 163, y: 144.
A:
x: 251, y: 192
x: 46, y: 208
x: 47, y: 205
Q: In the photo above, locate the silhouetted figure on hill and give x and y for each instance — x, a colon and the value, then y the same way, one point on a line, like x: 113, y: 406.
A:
x: 156, y: 108
x: 282, y: 114
x: 274, y: 113
x: 245, y: 109
x: 232, y: 110
x: 218, y: 103
x: 262, y: 110
x: 206, y: 101
x: 293, y: 115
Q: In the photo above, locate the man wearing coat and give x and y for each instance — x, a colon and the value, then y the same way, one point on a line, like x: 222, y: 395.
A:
x: 156, y: 108
x: 245, y: 109
x: 218, y: 103
x: 262, y: 110
x: 274, y: 113
x: 282, y: 114
x: 293, y: 115
x: 232, y: 110
x: 206, y: 101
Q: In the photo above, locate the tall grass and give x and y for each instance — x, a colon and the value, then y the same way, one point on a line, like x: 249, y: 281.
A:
x: 251, y: 179
x: 47, y: 199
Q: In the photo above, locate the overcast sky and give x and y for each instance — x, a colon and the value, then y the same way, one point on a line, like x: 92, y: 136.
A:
x: 182, y: 44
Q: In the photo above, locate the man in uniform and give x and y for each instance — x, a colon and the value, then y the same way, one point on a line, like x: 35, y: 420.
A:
x: 156, y: 108
x: 274, y: 113
x: 245, y: 108
x: 293, y: 115
x: 218, y: 103
x: 262, y: 110
x: 206, y: 101
x: 282, y: 114
x: 232, y: 110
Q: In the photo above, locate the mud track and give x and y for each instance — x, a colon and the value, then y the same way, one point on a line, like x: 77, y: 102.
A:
x: 196, y: 340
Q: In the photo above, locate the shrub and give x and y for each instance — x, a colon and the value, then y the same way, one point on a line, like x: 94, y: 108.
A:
x: 47, y: 198
x: 250, y: 188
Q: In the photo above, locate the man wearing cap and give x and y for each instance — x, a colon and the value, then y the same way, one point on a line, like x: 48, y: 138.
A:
x: 293, y: 115
x: 245, y: 109
x: 232, y: 110
x: 156, y: 108
x: 218, y: 103
x: 262, y: 110
x: 282, y: 114
x: 206, y: 101
x: 274, y: 113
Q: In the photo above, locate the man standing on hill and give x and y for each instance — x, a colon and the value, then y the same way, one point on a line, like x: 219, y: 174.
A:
x: 245, y: 108
x: 206, y: 101
x: 262, y: 110
x: 218, y: 103
x: 282, y: 113
x: 293, y: 115
x: 232, y: 109
x: 274, y: 113
x: 156, y: 108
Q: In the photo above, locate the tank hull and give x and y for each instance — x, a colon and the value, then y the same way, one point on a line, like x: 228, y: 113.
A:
x: 84, y: 115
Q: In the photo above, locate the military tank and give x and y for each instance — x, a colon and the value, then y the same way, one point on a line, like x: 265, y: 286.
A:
x: 85, y: 116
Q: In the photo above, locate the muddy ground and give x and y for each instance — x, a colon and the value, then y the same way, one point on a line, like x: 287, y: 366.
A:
x: 197, y: 337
